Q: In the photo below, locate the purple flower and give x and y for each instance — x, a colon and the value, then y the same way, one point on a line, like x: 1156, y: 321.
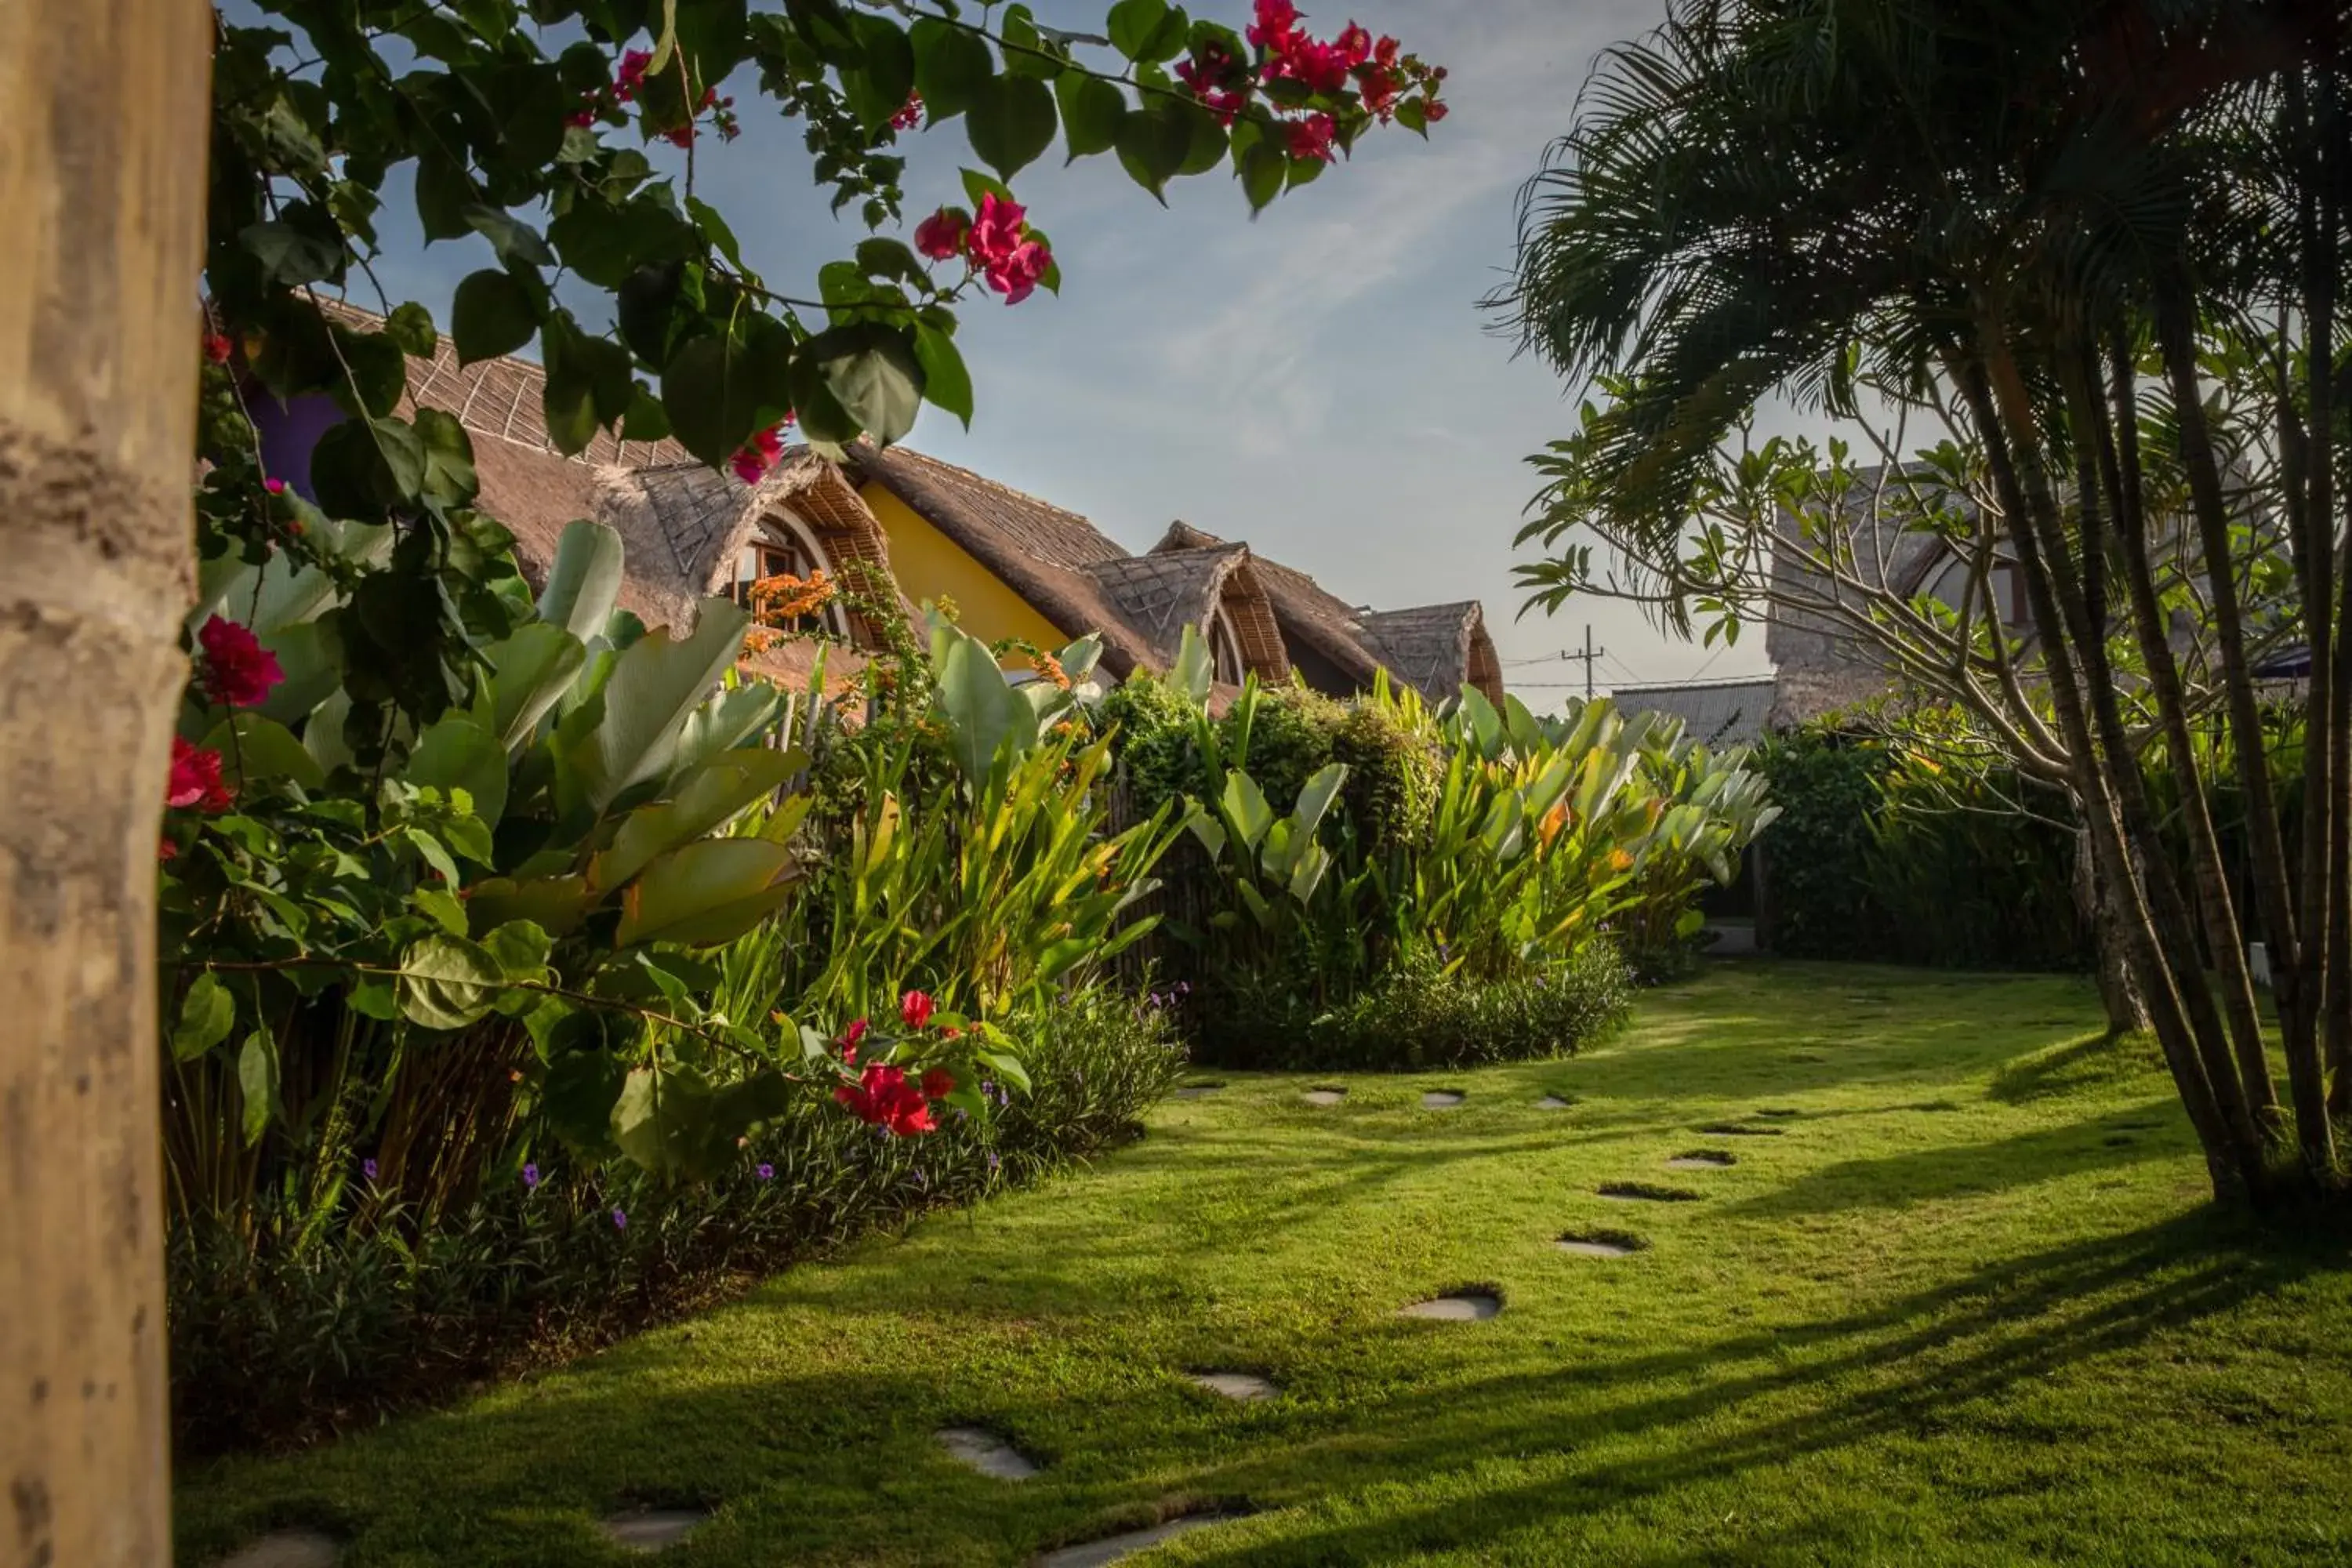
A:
x: 531, y: 1175
x: 767, y: 1172
x: 367, y: 1169
x: 922, y: 1182
x: 620, y: 1220
x: 993, y: 1160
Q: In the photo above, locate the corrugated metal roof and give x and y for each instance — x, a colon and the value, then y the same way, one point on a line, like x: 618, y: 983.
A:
x: 1716, y: 713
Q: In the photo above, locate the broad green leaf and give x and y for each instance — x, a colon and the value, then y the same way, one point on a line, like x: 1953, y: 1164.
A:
x: 1062, y: 957
x: 1148, y: 31
x: 520, y: 948
x: 411, y: 326
x: 257, y: 1083
x: 873, y: 372
x: 1265, y: 169
x: 946, y: 383
x: 253, y: 749
x: 584, y: 579
x: 1206, y: 828
x: 491, y: 315
x: 1246, y: 810
x: 207, y: 1016
x: 717, y: 391
x: 512, y: 239
x: 557, y: 905
x: 984, y: 711
x: 292, y: 256
x: 630, y: 735
x: 1153, y: 143
x: 578, y: 1096
x: 1011, y: 123
x: 531, y: 671
x: 447, y: 983
x: 952, y: 66
x: 1195, y: 669
x: 733, y: 715
x: 1092, y: 110
x: 459, y: 752
x: 1316, y: 797
x: 714, y: 794
x: 709, y: 892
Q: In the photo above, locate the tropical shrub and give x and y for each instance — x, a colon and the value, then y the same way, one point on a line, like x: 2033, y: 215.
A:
x: 1422, y: 1015
x: 300, y: 1323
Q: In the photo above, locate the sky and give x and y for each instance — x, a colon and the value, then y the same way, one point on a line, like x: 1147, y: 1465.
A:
x: 1319, y: 382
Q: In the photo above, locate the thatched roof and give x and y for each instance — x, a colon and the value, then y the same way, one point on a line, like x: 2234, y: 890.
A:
x: 1161, y: 595
x: 1438, y: 648
x: 1435, y: 648
x: 1036, y: 549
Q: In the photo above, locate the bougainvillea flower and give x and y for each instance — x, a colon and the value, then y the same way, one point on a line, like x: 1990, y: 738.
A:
x: 1276, y: 20
x: 1016, y: 276
x: 1311, y: 137
x: 916, y: 1008
x: 942, y: 236
x: 275, y: 487
x: 633, y: 74
x: 196, y: 779
x: 998, y: 231
x: 759, y: 455
x: 938, y: 1084
x: 1354, y: 43
x: 238, y: 670
x: 166, y: 850
x: 883, y: 1098
x: 909, y: 115
x: 216, y: 348
x: 851, y: 1035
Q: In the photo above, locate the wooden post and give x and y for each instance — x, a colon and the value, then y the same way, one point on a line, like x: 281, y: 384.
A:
x: 102, y: 188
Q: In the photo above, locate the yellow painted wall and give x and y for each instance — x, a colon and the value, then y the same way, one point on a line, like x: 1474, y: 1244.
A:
x: 928, y: 564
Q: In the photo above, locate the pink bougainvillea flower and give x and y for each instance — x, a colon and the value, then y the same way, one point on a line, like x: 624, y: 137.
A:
x: 1435, y: 111
x: 1385, y: 52
x: 1311, y: 137
x: 275, y: 487
x: 238, y: 670
x: 633, y: 74
x: 996, y: 233
x: 217, y: 348
x: 1277, y: 19
x: 883, y: 1098
x: 909, y: 115
x: 942, y: 236
x: 1017, y: 275
x: 916, y: 1008
x: 938, y: 1084
x: 1354, y: 43
x: 851, y: 1035
x: 196, y: 779
x: 166, y: 850
x: 760, y: 454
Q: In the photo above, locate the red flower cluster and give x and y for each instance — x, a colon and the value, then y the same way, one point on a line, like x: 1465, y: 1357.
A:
x: 909, y: 115
x: 632, y: 78
x: 761, y: 452
x: 998, y: 245
x: 216, y: 348
x: 236, y: 670
x: 1311, y: 137
x: 1381, y: 71
x: 196, y: 779
x: 916, y: 1008
x: 883, y: 1098
x: 1218, y: 79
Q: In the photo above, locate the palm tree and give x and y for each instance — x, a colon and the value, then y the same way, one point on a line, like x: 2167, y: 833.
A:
x: 1987, y: 210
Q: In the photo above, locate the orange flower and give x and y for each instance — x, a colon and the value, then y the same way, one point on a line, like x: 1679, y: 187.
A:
x: 759, y: 641
x: 1554, y: 820
x: 1051, y: 669
x: 786, y: 597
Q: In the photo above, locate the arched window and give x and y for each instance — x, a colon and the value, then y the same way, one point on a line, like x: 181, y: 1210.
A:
x: 1225, y: 645
x: 781, y: 547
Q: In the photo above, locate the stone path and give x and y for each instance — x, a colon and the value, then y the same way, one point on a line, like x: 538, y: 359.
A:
x: 1457, y: 1306
x: 1442, y: 1098
x: 1600, y: 1244
x: 652, y: 1529
x: 986, y: 1452
x: 1553, y: 1102
x: 1324, y: 1096
x: 1643, y: 1192
x: 1111, y: 1548
x: 1703, y: 1160
x: 1245, y: 1386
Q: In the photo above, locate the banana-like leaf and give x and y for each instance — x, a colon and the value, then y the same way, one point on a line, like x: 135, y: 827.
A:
x: 533, y: 671
x: 1206, y: 829
x: 1195, y: 669
x: 729, y: 719
x: 458, y: 751
x: 706, y: 797
x: 584, y: 579
x: 984, y: 712
x: 557, y: 905
x: 1247, y: 815
x: 253, y: 748
x: 1309, y: 875
x: 1316, y: 797
x: 630, y: 735
x: 709, y: 892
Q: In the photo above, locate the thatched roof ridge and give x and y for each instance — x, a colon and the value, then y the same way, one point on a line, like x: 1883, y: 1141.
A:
x: 1438, y: 648
x: 1038, y: 550
x: 1302, y: 607
x: 1162, y: 594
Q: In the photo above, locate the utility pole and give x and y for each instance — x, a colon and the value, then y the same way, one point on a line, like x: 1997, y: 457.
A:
x: 1587, y: 656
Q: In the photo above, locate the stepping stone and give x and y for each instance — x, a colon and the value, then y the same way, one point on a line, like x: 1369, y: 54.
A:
x: 288, y: 1549
x: 1553, y: 1102
x: 1601, y: 1243
x: 1734, y: 1129
x: 1442, y: 1098
x: 1326, y: 1096
x: 986, y: 1452
x: 1111, y: 1548
x: 1780, y: 1115
x: 1457, y: 1306
x: 1245, y: 1386
x: 649, y: 1531
x: 1806, y: 1059
x: 1702, y: 1160
x: 1198, y: 1091
x: 1642, y: 1193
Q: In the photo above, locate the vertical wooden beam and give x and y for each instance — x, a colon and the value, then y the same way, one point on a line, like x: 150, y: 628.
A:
x: 102, y: 186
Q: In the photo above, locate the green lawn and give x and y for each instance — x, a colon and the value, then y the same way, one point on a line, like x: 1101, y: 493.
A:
x: 1968, y: 1308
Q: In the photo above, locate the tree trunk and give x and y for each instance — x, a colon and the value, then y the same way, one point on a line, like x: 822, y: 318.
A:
x: 102, y: 177
x: 2102, y: 914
